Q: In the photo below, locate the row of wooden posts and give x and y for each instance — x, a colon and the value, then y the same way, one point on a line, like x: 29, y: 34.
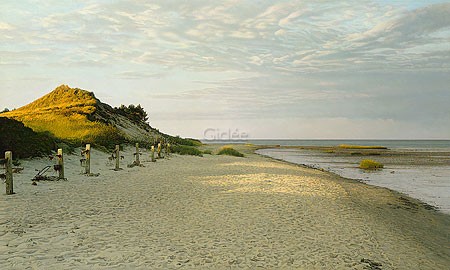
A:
x: 87, y: 162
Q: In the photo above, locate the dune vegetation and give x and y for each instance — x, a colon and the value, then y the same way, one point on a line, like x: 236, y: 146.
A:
x: 348, y: 146
x: 74, y: 117
x: 23, y: 141
x: 184, y: 141
x: 186, y: 150
x: 230, y: 151
x: 64, y: 113
x: 207, y: 152
x: 368, y: 164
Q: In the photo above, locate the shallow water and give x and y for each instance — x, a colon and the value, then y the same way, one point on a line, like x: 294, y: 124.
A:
x: 416, y: 145
x: 431, y: 184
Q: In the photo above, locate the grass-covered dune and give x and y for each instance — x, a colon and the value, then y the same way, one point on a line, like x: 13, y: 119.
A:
x: 65, y: 113
x: 74, y: 117
x: 77, y: 116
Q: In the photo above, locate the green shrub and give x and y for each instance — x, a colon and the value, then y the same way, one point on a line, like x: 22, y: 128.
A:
x: 207, y: 152
x: 227, y: 150
x: 186, y: 150
x: 368, y: 164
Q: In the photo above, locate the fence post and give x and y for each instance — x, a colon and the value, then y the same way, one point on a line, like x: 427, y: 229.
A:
x: 137, y: 155
x: 153, y: 153
x: 87, y: 154
x: 9, y: 174
x: 159, y: 150
x: 117, y: 157
x: 168, y: 149
x: 60, y: 163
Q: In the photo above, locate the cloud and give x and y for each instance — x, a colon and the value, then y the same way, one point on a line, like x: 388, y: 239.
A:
x: 411, y: 26
x: 293, y: 55
x: 5, y: 26
x: 342, y: 36
x: 132, y: 75
x: 287, y: 20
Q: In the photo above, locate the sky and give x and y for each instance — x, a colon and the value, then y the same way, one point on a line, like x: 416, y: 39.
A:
x: 322, y: 69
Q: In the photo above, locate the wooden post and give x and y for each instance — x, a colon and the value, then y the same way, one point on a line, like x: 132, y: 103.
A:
x: 60, y: 163
x: 137, y: 155
x: 9, y: 174
x: 117, y: 157
x: 153, y: 153
x: 159, y: 150
x: 87, y: 155
x: 168, y: 149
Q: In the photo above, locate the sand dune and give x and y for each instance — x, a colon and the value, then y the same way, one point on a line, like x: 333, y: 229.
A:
x: 215, y: 212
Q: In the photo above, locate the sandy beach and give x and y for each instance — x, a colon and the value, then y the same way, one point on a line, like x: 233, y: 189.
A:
x: 213, y: 212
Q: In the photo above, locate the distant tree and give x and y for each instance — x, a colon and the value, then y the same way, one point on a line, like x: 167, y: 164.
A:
x: 141, y: 113
x: 132, y: 112
x: 5, y: 110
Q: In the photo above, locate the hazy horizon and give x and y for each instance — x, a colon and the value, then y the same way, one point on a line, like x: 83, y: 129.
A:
x: 370, y: 69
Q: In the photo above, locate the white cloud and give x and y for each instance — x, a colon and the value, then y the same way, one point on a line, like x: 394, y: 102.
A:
x: 185, y: 34
x: 5, y: 26
x: 280, y: 32
x: 287, y: 20
x: 133, y: 75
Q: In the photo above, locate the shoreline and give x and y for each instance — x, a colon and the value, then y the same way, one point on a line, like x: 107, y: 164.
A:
x: 425, y: 204
x: 428, y: 169
x: 214, y: 212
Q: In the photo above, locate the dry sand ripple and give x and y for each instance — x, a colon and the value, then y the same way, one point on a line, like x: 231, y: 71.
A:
x: 214, y: 212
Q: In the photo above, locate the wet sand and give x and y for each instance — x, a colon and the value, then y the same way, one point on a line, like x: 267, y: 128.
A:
x: 214, y: 212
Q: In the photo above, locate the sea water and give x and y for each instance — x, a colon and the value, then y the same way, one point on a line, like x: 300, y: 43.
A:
x: 431, y: 184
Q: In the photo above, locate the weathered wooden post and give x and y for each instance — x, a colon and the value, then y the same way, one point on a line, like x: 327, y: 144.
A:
x: 168, y: 149
x: 87, y: 154
x: 9, y: 174
x: 153, y: 153
x: 60, y: 163
x: 117, y: 151
x: 137, y: 162
x: 159, y: 150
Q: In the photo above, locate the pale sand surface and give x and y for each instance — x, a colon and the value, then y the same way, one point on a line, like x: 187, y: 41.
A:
x: 215, y: 212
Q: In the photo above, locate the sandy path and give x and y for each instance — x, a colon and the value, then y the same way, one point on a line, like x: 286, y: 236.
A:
x: 214, y: 212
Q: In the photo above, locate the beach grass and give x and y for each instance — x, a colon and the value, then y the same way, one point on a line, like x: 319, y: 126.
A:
x: 186, y: 150
x: 368, y: 164
x: 349, y: 146
x: 230, y: 151
x: 207, y: 152
x: 185, y: 141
